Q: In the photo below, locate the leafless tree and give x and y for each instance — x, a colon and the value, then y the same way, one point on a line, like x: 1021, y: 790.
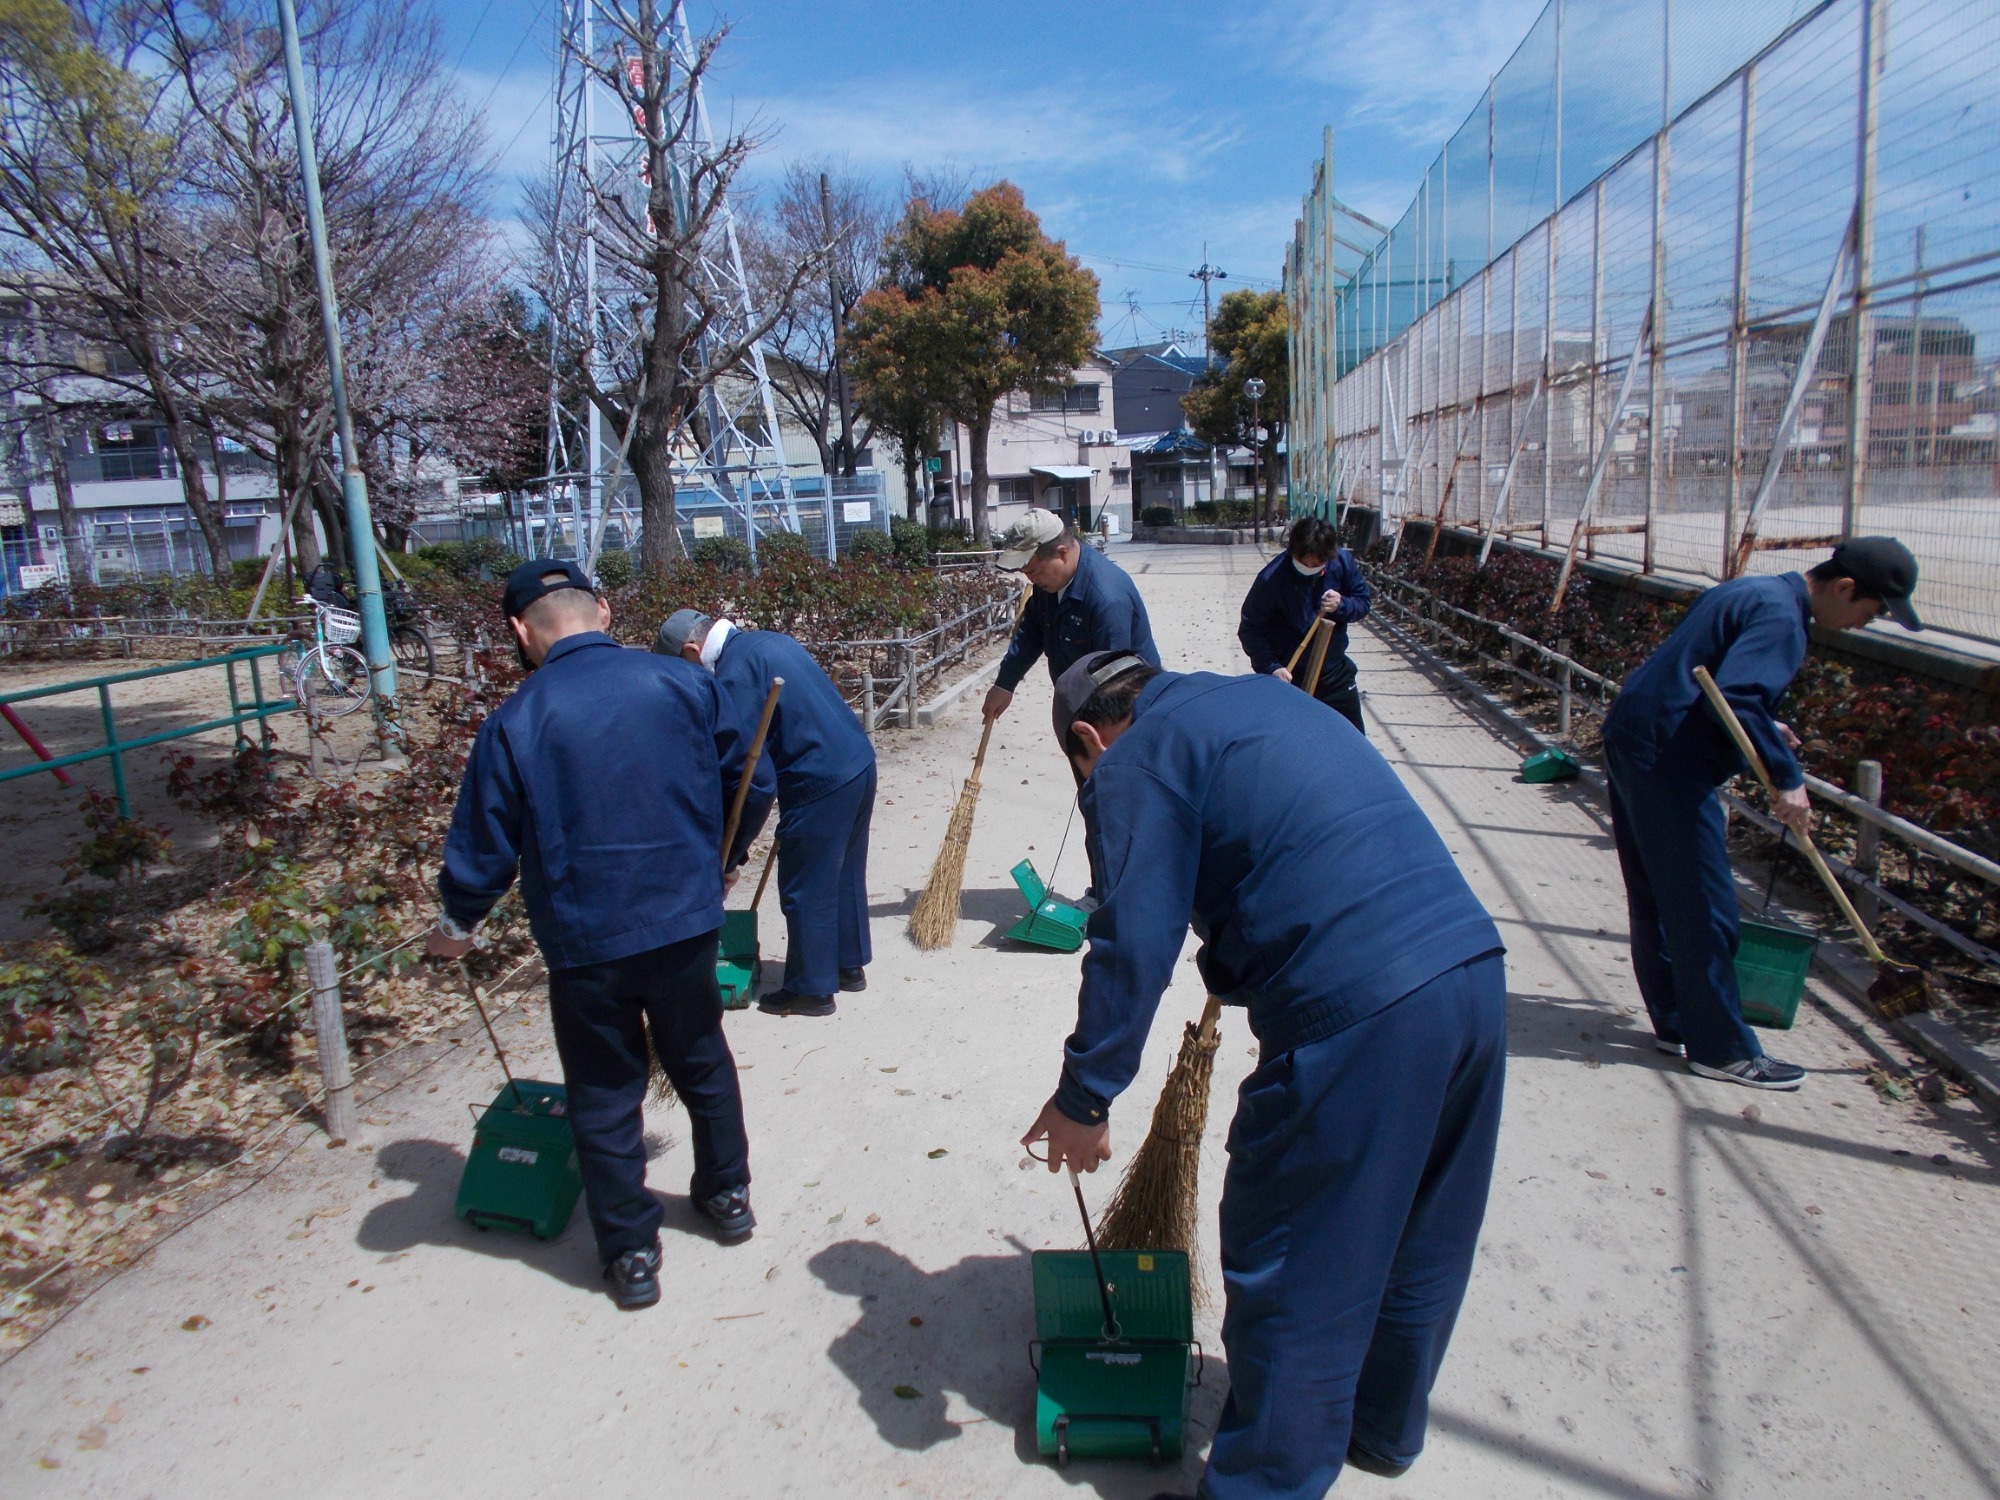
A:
x: 664, y: 236
x: 823, y: 211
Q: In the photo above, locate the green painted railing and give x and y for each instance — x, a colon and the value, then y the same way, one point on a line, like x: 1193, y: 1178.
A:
x: 258, y: 710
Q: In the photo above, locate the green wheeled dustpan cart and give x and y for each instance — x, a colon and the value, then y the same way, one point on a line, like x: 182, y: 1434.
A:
x: 1049, y: 923
x: 522, y: 1174
x: 1120, y: 1392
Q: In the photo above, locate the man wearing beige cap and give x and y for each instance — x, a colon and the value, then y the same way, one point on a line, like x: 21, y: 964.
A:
x: 1083, y: 602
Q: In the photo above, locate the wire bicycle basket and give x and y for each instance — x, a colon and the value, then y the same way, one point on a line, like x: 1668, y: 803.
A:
x: 342, y: 626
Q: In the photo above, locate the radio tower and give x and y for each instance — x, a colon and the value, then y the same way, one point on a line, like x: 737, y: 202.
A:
x: 737, y: 462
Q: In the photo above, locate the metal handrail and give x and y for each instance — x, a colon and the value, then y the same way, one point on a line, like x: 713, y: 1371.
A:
x: 1914, y: 834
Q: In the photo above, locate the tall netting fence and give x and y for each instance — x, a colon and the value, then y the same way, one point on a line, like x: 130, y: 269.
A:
x: 1666, y: 352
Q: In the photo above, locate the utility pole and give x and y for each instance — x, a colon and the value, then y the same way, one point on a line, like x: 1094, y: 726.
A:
x: 844, y: 450
x: 1206, y: 274
x: 353, y: 485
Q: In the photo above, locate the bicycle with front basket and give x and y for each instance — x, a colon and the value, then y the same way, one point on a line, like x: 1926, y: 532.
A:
x: 324, y: 671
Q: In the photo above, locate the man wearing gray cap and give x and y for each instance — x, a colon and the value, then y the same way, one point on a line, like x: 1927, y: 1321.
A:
x: 826, y: 797
x: 1667, y: 753
x: 1083, y: 602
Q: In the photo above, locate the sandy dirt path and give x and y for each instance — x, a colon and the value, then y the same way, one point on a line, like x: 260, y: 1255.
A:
x: 1671, y: 1299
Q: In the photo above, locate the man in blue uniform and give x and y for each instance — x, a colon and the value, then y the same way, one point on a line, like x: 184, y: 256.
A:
x: 1082, y: 602
x: 826, y: 796
x: 1313, y: 577
x: 1373, y: 978
x: 1667, y: 753
x: 604, y: 779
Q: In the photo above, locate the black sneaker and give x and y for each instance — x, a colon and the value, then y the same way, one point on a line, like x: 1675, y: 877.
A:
x: 1754, y: 1073
x: 729, y: 1211
x: 635, y: 1278
x: 1360, y: 1458
x: 785, y: 1003
x: 853, y: 981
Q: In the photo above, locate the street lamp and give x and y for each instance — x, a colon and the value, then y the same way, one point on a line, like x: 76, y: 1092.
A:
x: 1254, y: 389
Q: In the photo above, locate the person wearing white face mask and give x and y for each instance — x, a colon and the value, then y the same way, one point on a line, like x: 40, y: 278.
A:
x: 1313, y: 577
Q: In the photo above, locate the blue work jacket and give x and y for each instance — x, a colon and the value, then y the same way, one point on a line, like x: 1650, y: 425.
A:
x: 1283, y: 603
x: 606, y: 779
x: 1319, y: 889
x: 816, y: 743
x: 1100, y: 611
x: 1751, y: 634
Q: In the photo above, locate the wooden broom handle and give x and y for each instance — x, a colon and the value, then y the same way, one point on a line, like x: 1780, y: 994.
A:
x: 979, y: 760
x: 1818, y: 861
x: 1304, y: 640
x: 750, y: 769
x: 1316, y: 663
x: 1211, y: 1017
x: 765, y: 879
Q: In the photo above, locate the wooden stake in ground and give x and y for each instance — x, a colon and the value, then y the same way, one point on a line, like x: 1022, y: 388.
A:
x: 1899, y: 988
x: 663, y: 1087
x: 934, y: 922
x: 1155, y: 1207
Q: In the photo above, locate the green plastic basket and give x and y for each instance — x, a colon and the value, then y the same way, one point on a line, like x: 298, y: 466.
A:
x: 1123, y: 1396
x: 1771, y: 966
x: 522, y: 1173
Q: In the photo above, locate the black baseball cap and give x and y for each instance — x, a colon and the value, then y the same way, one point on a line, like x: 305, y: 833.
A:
x: 1882, y: 568
x: 1085, y: 676
x: 535, y: 578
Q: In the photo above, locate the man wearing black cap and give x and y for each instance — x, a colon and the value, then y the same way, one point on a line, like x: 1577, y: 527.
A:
x: 603, y: 780
x: 826, y: 799
x: 1667, y: 753
x: 1374, y: 984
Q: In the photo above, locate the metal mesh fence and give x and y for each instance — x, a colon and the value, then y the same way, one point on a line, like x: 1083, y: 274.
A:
x: 1681, y: 200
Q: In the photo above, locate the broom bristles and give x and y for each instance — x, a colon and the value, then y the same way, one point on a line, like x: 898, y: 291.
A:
x: 1156, y: 1206
x: 934, y: 921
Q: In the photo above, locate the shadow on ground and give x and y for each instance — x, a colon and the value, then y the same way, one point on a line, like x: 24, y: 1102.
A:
x: 970, y: 1340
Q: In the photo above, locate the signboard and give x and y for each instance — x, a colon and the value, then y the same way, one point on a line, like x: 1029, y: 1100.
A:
x: 708, y: 526
x: 857, y: 510
x: 933, y: 464
x: 37, y: 575
x: 11, y: 513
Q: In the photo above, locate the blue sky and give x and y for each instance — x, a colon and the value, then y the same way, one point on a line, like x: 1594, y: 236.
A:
x: 1137, y: 131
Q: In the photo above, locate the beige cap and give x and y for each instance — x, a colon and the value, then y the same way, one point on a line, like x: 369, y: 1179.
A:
x: 1027, y: 536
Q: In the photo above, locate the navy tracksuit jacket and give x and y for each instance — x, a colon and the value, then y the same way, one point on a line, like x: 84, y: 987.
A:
x: 1100, y: 611
x: 1372, y: 978
x: 1667, y: 753
x: 826, y: 798
x: 605, y: 780
x: 1281, y: 607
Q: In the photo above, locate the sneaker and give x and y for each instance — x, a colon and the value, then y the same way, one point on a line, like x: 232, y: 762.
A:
x: 853, y: 981
x: 785, y: 1003
x: 635, y: 1278
x: 1754, y: 1073
x: 1360, y: 1458
x: 1671, y: 1048
x: 729, y: 1211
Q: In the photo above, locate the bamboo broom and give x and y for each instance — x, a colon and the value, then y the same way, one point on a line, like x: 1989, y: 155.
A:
x: 663, y: 1087
x: 934, y: 922
x: 1156, y: 1205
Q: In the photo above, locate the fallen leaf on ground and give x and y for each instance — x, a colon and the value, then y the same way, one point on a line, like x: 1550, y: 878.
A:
x: 1814, y: 1209
x: 1600, y: 1176
x: 102, y: 1190
x: 872, y: 1219
x: 934, y: 1155
x: 916, y: 1322
x: 194, y: 1324
x: 1752, y: 1113
x: 907, y: 1393
x: 91, y: 1439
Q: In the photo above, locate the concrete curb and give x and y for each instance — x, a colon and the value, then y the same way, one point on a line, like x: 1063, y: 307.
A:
x: 928, y: 713
x: 1835, y: 962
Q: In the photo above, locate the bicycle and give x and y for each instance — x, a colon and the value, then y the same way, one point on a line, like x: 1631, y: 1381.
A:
x: 329, y: 677
x: 416, y: 657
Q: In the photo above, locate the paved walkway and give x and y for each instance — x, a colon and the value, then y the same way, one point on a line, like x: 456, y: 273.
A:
x: 1677, y: 1294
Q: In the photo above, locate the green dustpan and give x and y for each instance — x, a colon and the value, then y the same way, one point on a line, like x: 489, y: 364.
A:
x: 522, y: 1174
x: 1049, y: 923
x: 738, y: 959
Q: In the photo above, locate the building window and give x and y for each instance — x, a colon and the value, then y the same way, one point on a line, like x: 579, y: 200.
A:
x: 1014, y: 491
x: 1075, y: 398
x: 1121, y: 477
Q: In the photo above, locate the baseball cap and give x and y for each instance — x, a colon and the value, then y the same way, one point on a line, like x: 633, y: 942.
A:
x: 525, y: 584
x: 1085, y: 676
x: 1883, y: 568
x: 1025, y: 537
x: 680, y: 627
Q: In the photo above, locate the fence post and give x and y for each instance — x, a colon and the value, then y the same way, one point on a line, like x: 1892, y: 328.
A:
x: 1562, y: 690
x: 1868, y: 837
x: 868, y: 699
x: 471, y: 665
x: 909, y: 684
x: 330, y: 1041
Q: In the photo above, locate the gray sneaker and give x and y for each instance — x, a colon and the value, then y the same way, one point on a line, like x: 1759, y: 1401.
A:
x: 1754, y: 1073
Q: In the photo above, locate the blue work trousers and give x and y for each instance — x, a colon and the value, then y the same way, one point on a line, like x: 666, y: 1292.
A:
x: 1358, y: 1169
x: 1681, y: 898
x: 602, y: 1014
x: 823, y: 884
